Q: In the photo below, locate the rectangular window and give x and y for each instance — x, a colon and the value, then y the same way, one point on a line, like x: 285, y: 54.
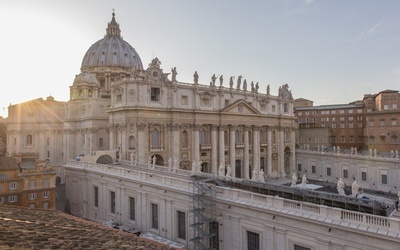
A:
x: 3, y: 176
x: 45, y: 205
x: 345, y: 173
x: 385, y: 107
x: 46, y: 194
x: 360, y: 139
x: 32, y: 196
x: 350, y: 111
x: 2, y: 200
x: 382, y: 122
x: 96, y: 196
x: 333, y: 112
x: 132, y: 208
x: 372, y: 139
x: 342, y: 125
x: 181, y: 225
x: 205, y: 101
x: 226, y: 102
x: 313, y: 169
x: 112, y: 202
x: 394, y: 106
x: 371, y: 123
x: 342, y: 139
x: 341, y: 111
x: 12, y: 198
x: 155, y: 94
x: 351, y: 118
x: 253, y: 241
x: 299, y: 167
x: 32, y: 183
x: 394, y: 122
x: 342, y: 118
x: 328, y: 171
x: 359, y: 110
x: 154, y: 216
x: 184, y: 100
x: 13, y: 185
x: 351, y: 139
x: 384, y: 177
x: 360, y: 124
x: 119, y: 98
x: 333, y: 125
x: 364, y: 176
x: 273, y: 108
x: 298, y: 247
x: 46, y: 183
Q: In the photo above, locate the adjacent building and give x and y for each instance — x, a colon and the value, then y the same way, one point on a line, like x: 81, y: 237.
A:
x: 370, y: 123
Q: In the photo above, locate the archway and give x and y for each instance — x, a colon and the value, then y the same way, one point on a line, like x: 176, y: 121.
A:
x: 105, y: 159
x: 159, y: 160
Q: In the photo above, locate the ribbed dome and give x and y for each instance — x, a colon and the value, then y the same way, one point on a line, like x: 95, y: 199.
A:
x: 111, y: 51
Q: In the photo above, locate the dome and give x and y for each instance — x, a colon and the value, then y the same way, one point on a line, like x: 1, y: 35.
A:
x: 111, y: 51
x: 86, y: 78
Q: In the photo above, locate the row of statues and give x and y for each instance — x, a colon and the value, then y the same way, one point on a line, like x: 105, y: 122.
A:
x: 254, y: 87
x: 355, y: 188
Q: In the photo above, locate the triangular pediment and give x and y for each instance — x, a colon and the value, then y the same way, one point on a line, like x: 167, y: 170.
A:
x: 240, y: 107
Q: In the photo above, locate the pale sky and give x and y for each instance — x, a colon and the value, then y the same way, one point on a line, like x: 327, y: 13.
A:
x: 330, y: 52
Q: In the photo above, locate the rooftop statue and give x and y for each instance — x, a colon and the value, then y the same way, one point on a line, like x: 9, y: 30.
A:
x: 340, y: 187
x: 196, y: 78
x: 174, y: 73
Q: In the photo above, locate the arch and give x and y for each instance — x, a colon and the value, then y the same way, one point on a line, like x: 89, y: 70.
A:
x: 131, y: 142
x: 29, y: 139
x: 159, y: 159
x: 105, y: 159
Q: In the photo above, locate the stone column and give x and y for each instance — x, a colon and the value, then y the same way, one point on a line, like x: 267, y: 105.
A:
x: 232, y: 150
x: 281, y: 151
x: 293, y: 151
x: 269, y: 150
x: 246, y: 152
x: 124, y: 145
x: 221, y: 145
x: 256, y: 148
x: 214, y: 148
x: 176, y: 145
x: 86, y: 139
x: 196, y: 141
x: 142, y: 143
x: 112, y: 138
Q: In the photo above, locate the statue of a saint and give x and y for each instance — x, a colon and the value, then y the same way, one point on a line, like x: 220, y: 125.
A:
x: 221, y: 80
x: 174, y: 73
x: 149, y: 163
x: 254, y: 175
x: 354, y: 188
x: 268, y: 89
x: 340, y: 187
x: 213, y: 78
x: 193, y: 166
x: 239, y: 82
x: 294, y: 180
x: 153, y: 163
x: 245, y: 85
x: 231, y: 82
x: 221, y: 170
x: 261, y: 175
x: 228, y: 171
x: 304, y: 181
x: 257, y: 87
x: 175, y: 165
x: 252, y: 87
x: 170, y: 164
x: 196, y: 78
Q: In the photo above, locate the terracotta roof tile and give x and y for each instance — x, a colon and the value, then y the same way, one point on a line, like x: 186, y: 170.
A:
x: 24, y: 228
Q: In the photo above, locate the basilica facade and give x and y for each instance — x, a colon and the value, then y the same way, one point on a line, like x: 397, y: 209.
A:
x: 144, y: 113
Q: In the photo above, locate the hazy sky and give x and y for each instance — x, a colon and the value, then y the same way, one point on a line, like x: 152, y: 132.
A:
x: 327, y: 51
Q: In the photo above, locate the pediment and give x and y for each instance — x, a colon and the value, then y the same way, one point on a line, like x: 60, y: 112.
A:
x: 240, y: 107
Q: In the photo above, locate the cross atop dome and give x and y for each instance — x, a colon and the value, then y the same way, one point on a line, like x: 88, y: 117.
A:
x: 113, y: 27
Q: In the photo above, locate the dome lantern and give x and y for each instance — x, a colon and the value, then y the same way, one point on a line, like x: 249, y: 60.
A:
x: 113, y: 27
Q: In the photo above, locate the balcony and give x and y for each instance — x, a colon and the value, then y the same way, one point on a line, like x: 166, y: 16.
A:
x: 154, y: 149
x: 204, y: 147
x: 239, y: 145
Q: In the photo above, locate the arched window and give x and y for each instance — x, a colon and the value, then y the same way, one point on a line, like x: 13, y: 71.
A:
x: 155, y: 138
x: 100, y: 142
x: 131, y: 142
x: 203, y: 135
x: 29, y: 139
x: 287, y: 136
x: 48, y: 142
x: 184, y: 138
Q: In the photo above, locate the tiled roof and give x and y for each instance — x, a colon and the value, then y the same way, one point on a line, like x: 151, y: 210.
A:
x: 23, y: 228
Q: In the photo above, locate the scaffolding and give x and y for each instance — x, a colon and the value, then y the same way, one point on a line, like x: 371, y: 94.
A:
x: 202, y: 214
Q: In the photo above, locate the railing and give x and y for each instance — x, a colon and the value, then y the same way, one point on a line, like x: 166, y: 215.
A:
x: 156, y: 148
x: 239, y: 145
x: 205, y: 146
